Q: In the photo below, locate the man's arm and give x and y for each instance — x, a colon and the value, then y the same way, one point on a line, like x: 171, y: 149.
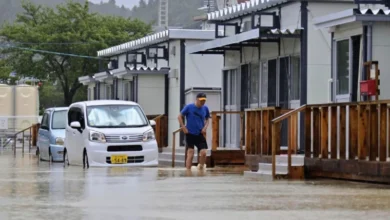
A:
x: 182, y: 114
x: 207, y: 120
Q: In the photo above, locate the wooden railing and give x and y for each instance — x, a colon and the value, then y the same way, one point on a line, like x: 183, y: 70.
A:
x: 174, y: 146
x: 258, y: 129
x: 161, y: 131
x: 215, y: 121
x: 326, y: 136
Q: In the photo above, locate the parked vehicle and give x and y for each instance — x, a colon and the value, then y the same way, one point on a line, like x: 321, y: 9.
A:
x: 51, y: 135
x: 109, y: 133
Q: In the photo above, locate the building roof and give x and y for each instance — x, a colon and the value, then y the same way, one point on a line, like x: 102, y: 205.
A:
x: 250, y: 6
x: 243, y: 9
x: 156, y: 38
x: 351, y: 15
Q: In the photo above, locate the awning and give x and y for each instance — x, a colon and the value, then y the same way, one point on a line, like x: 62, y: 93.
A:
x: 85, y: 80
x: 236, y: 42
x: 148, y: 70
x: 102, y: 76
x: 351, y: 15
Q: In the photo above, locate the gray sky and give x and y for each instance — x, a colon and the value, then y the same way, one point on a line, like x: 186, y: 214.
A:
x: 126, y: 3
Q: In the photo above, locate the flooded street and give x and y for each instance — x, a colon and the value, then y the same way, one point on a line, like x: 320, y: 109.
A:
x: 32, y: 190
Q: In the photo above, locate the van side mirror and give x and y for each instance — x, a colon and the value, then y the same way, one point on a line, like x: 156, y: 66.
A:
x: 75, y: 125
x: 152, y: 122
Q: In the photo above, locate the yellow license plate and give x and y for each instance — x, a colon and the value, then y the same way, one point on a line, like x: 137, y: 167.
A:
x: 118, y: 159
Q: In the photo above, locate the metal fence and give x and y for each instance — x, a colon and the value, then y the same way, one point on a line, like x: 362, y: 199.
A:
x: 10, y: 126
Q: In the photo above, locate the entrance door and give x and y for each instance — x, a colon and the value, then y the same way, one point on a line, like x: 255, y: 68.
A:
x: 283, y: 102
x: 231, y: 103
x: 346, y: 68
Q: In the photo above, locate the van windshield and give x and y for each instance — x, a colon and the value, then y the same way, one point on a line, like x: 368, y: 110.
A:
x: 115, y: 116
x: 59, y: 120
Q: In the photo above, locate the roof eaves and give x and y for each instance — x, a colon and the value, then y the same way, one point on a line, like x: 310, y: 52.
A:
x: 243, y: 9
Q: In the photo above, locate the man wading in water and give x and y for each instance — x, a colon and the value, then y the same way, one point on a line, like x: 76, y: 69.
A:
x: 197, y: 116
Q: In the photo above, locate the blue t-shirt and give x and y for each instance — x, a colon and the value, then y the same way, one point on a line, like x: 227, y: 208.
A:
x: 195, y: 117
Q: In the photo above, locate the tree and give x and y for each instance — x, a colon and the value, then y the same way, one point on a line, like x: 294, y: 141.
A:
x: 70, y: 29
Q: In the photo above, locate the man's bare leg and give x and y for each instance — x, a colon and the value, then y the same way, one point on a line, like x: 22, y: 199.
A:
x: 202, y: 159
x: 190, y: 156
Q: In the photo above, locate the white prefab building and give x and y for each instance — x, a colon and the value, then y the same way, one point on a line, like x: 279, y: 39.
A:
x: 358, y: 35
x: 156, y: 72
x: 273, y: 56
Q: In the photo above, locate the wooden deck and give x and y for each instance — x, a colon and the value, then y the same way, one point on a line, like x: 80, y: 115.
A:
x: 342, y: 140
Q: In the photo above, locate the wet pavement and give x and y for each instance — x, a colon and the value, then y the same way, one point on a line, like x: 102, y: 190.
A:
x: 39, y: 190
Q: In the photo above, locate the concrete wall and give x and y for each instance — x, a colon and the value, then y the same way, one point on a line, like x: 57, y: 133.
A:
x: 319, y: 52
x: 381, y: 53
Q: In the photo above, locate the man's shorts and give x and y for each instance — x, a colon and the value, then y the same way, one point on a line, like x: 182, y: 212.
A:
x: 196, y: 140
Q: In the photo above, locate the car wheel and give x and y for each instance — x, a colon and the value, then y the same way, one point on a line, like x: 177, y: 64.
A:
x: 85, y: 160
x: 66, y: 158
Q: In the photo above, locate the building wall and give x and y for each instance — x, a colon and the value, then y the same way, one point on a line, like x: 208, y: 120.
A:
x: 174, y: 91
x: 151, y: 90
x: 267, y: 51
x: 202, y: 70
x: 381, y: 53
x: 319, y: 52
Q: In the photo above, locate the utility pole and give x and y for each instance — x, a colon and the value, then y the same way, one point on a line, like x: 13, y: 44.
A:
x: 163, y: 13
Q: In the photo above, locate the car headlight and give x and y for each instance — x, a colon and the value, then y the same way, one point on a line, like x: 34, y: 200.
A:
x: 97, y: 137
x: 148, y: 136
x: 59, y: 141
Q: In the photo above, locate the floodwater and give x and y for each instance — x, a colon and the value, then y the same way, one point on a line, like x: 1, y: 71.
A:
x: 38, y: 190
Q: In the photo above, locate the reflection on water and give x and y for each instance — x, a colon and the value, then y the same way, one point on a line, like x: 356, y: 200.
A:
x: 40, y: 190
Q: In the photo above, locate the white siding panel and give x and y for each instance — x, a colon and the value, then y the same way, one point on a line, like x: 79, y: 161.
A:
x: 151, y: 93
x: 381, y: 53
x: 202, y: 70
x: 121, y: 61
x: 319, y: 52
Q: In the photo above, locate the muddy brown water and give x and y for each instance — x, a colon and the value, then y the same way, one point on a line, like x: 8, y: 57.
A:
x: 39, y: 190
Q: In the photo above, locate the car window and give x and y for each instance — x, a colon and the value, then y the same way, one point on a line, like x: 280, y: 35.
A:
x: 115, y: 116
x: 45, y: 121
x: 58, y: 120
x: 76, y: 114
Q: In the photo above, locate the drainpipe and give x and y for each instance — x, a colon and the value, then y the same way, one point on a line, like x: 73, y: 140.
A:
x: 369, y: 42
x: 303, y: 80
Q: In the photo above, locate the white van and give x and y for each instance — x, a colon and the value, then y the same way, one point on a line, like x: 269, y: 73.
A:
x: 109, y: 133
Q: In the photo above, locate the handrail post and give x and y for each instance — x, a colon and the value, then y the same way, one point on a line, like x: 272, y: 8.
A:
x: 23, y: 143
x: 29, y: 141
x: 289, y: 150
x: 274, y: 150
x: 173, y: 149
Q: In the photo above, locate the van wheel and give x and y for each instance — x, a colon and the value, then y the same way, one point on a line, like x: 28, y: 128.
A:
x: 85, y: 159
x: 66, y: 158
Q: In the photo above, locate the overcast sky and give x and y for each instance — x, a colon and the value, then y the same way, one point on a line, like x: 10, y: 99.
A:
x: 126, y: 3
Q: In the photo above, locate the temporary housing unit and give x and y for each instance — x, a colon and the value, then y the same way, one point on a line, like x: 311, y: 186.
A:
x: 358, y: 35
x: 156, y: 72
x: 273, y: 57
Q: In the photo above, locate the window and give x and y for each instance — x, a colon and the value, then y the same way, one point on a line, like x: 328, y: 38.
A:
x: 76, y: 114
x: 115, y: 116
x: 342, y: 67
x: 89, y: 94
x: 295, y: 78
x: 58, y: 120
x: 254, y: 84
x: 264, y: 82
x: 109, y: 91
x: 45, y: 121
